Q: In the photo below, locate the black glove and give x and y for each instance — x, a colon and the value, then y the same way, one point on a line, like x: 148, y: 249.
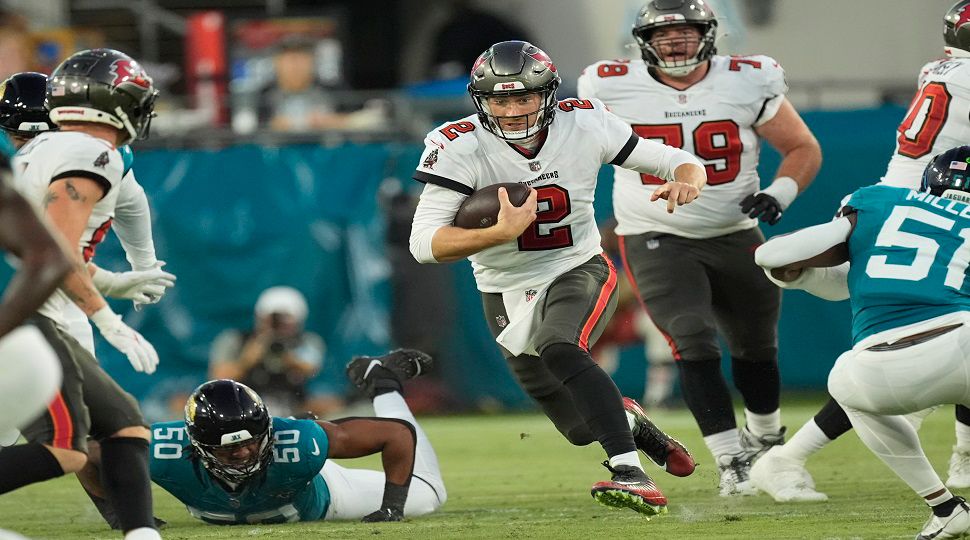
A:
x: 763, y: 205
x: 384, y: 514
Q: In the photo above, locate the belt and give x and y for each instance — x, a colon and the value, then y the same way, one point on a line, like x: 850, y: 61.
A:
x: 914, y: 339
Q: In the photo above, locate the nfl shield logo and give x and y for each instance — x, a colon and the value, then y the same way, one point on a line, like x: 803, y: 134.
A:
x: 682, y: 98
x: 502, y: 321
x: 530, y: 294
x: 534, y: 166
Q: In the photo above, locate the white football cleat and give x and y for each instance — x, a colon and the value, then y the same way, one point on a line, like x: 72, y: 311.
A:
x: 959, y: 471
x: 735, y: 472
x: 786, y: 480
x: 955, y: 525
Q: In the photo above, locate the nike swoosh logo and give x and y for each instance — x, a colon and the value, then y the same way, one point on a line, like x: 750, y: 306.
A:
x: 316, y: 449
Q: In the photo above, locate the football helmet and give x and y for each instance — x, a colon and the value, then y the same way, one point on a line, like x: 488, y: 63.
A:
x: 514, y: 68
x: 221, y: 416
x: 103, y: 86
x: 956, y: 31
x: 659, y: 13
x: 23, y: 111
x: 948, y: 175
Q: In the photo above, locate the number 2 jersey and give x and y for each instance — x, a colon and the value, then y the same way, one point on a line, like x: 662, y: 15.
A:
x: 714, y: 119
x: 938, y: 119
x: 291, y: 489
x: 909, y: 251
x: 462, y: 157
x: 68, y: 154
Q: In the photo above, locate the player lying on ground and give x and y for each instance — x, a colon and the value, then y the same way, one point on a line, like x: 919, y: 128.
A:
x: 230, y: 462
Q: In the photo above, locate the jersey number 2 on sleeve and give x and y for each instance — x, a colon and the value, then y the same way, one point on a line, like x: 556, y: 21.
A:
x: 717, y: 140
x: 557, y: 197
x: 924, y: 120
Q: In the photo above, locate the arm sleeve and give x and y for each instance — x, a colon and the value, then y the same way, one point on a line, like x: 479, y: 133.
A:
x: 656, y: 158
x: 830, y: 283
x: 133, y: 224
x: 802, y: 244
x: 436, y: 208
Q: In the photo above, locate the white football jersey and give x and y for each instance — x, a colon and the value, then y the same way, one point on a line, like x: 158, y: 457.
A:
x: 65, y: 154
x: 714, y: 119
x: 464, y: 157
x: 937, y: 120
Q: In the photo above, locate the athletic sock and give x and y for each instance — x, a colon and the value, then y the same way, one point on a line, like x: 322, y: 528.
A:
x: 724, y: 443
x: 126, y: 481
x: 763, y: 424
x: 27, y: 464
x: 808, y: 440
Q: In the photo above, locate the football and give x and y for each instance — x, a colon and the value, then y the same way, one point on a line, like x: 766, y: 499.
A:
x: 480, y: 209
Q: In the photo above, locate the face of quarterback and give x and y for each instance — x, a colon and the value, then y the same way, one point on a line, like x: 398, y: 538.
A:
x: 517, y: 112
x: 676, y: 43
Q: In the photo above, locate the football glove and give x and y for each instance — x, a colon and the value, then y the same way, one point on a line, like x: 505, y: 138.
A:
x: 139, y: 351
x: 142, y: 287
x: 762, y: 205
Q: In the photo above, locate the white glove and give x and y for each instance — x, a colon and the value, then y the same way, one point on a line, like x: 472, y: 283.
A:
x: 139, y: 351
x: 142, y: 287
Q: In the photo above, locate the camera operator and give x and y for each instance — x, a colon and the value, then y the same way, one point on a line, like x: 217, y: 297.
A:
x: 277, y: 357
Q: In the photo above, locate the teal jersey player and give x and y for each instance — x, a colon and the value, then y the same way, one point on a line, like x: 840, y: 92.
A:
x: 907, y: 264
x: 291, y: 489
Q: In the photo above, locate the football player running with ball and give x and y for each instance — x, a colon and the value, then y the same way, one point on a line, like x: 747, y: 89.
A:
x: 717, y: 107
x: 938, y: 119
x: 547, y: 288
x: 909, y: 251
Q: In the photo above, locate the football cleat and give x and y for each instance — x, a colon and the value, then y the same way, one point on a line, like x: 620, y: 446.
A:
x: 371, y: 372
x: 959, y: 471
x: 754, y: 446
x: 786, y: 480
x: 668, y: 453
x: 631, y: 488
x: 955, y: 525
x: 735, y: 472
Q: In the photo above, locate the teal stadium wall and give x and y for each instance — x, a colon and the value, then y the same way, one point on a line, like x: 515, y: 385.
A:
x: 234, y: 221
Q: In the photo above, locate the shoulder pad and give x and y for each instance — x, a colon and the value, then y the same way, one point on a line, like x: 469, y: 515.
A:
x: 760, y: 70
x: 588, y: 115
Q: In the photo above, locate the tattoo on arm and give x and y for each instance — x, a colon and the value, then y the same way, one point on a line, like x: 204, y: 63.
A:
x: 49, y: 198
x: 73, y: 193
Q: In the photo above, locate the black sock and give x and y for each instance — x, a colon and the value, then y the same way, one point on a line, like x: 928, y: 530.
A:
x: 595, y: 395
x: 384, y: 381
x: 759, y: 384
x: 945, y: 508
x: 832, y: 420
x: 126, y: 481
x: 707, y: 395
x: 27, y: 464
x: 963, y: 415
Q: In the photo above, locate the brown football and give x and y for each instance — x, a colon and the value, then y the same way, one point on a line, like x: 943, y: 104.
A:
x: 480, y: 209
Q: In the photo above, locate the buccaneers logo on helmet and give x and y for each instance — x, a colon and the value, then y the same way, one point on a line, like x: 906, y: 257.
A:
x: 129, y: 71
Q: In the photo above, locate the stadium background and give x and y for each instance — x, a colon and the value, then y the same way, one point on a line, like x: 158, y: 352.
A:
x: 235, y: 213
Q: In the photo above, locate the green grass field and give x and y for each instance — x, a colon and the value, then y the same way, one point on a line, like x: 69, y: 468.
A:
x: 515, y: 477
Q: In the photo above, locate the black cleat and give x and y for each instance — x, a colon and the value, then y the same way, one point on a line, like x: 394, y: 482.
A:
x: 372, y: 374
x: 664, y: 450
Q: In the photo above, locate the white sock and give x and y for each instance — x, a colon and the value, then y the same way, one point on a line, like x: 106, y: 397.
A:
x: 631, y: 459
x: 940, y: 499
x: 724, y: 443
x: 763, y: 424
x: 963, y: 435
x: 143, y: 533
x: 808, y: 440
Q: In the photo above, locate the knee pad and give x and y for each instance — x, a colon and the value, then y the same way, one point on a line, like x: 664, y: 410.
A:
x: 565, y: 360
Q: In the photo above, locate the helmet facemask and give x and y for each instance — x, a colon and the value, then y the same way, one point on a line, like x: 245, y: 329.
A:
x: 653, y: 50
x: 215, y: 458
x: 535, y: 121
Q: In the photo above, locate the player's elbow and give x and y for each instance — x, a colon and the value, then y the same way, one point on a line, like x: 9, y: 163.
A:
x: 420, y: 244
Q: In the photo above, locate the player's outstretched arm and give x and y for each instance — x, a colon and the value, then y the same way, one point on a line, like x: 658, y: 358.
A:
x: 44, y: 261
x: 395, y: 439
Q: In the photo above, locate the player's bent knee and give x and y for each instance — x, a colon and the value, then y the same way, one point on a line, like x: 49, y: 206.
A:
x: 694, y: 336
x: 138, y: 432
x: 71, y: 461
